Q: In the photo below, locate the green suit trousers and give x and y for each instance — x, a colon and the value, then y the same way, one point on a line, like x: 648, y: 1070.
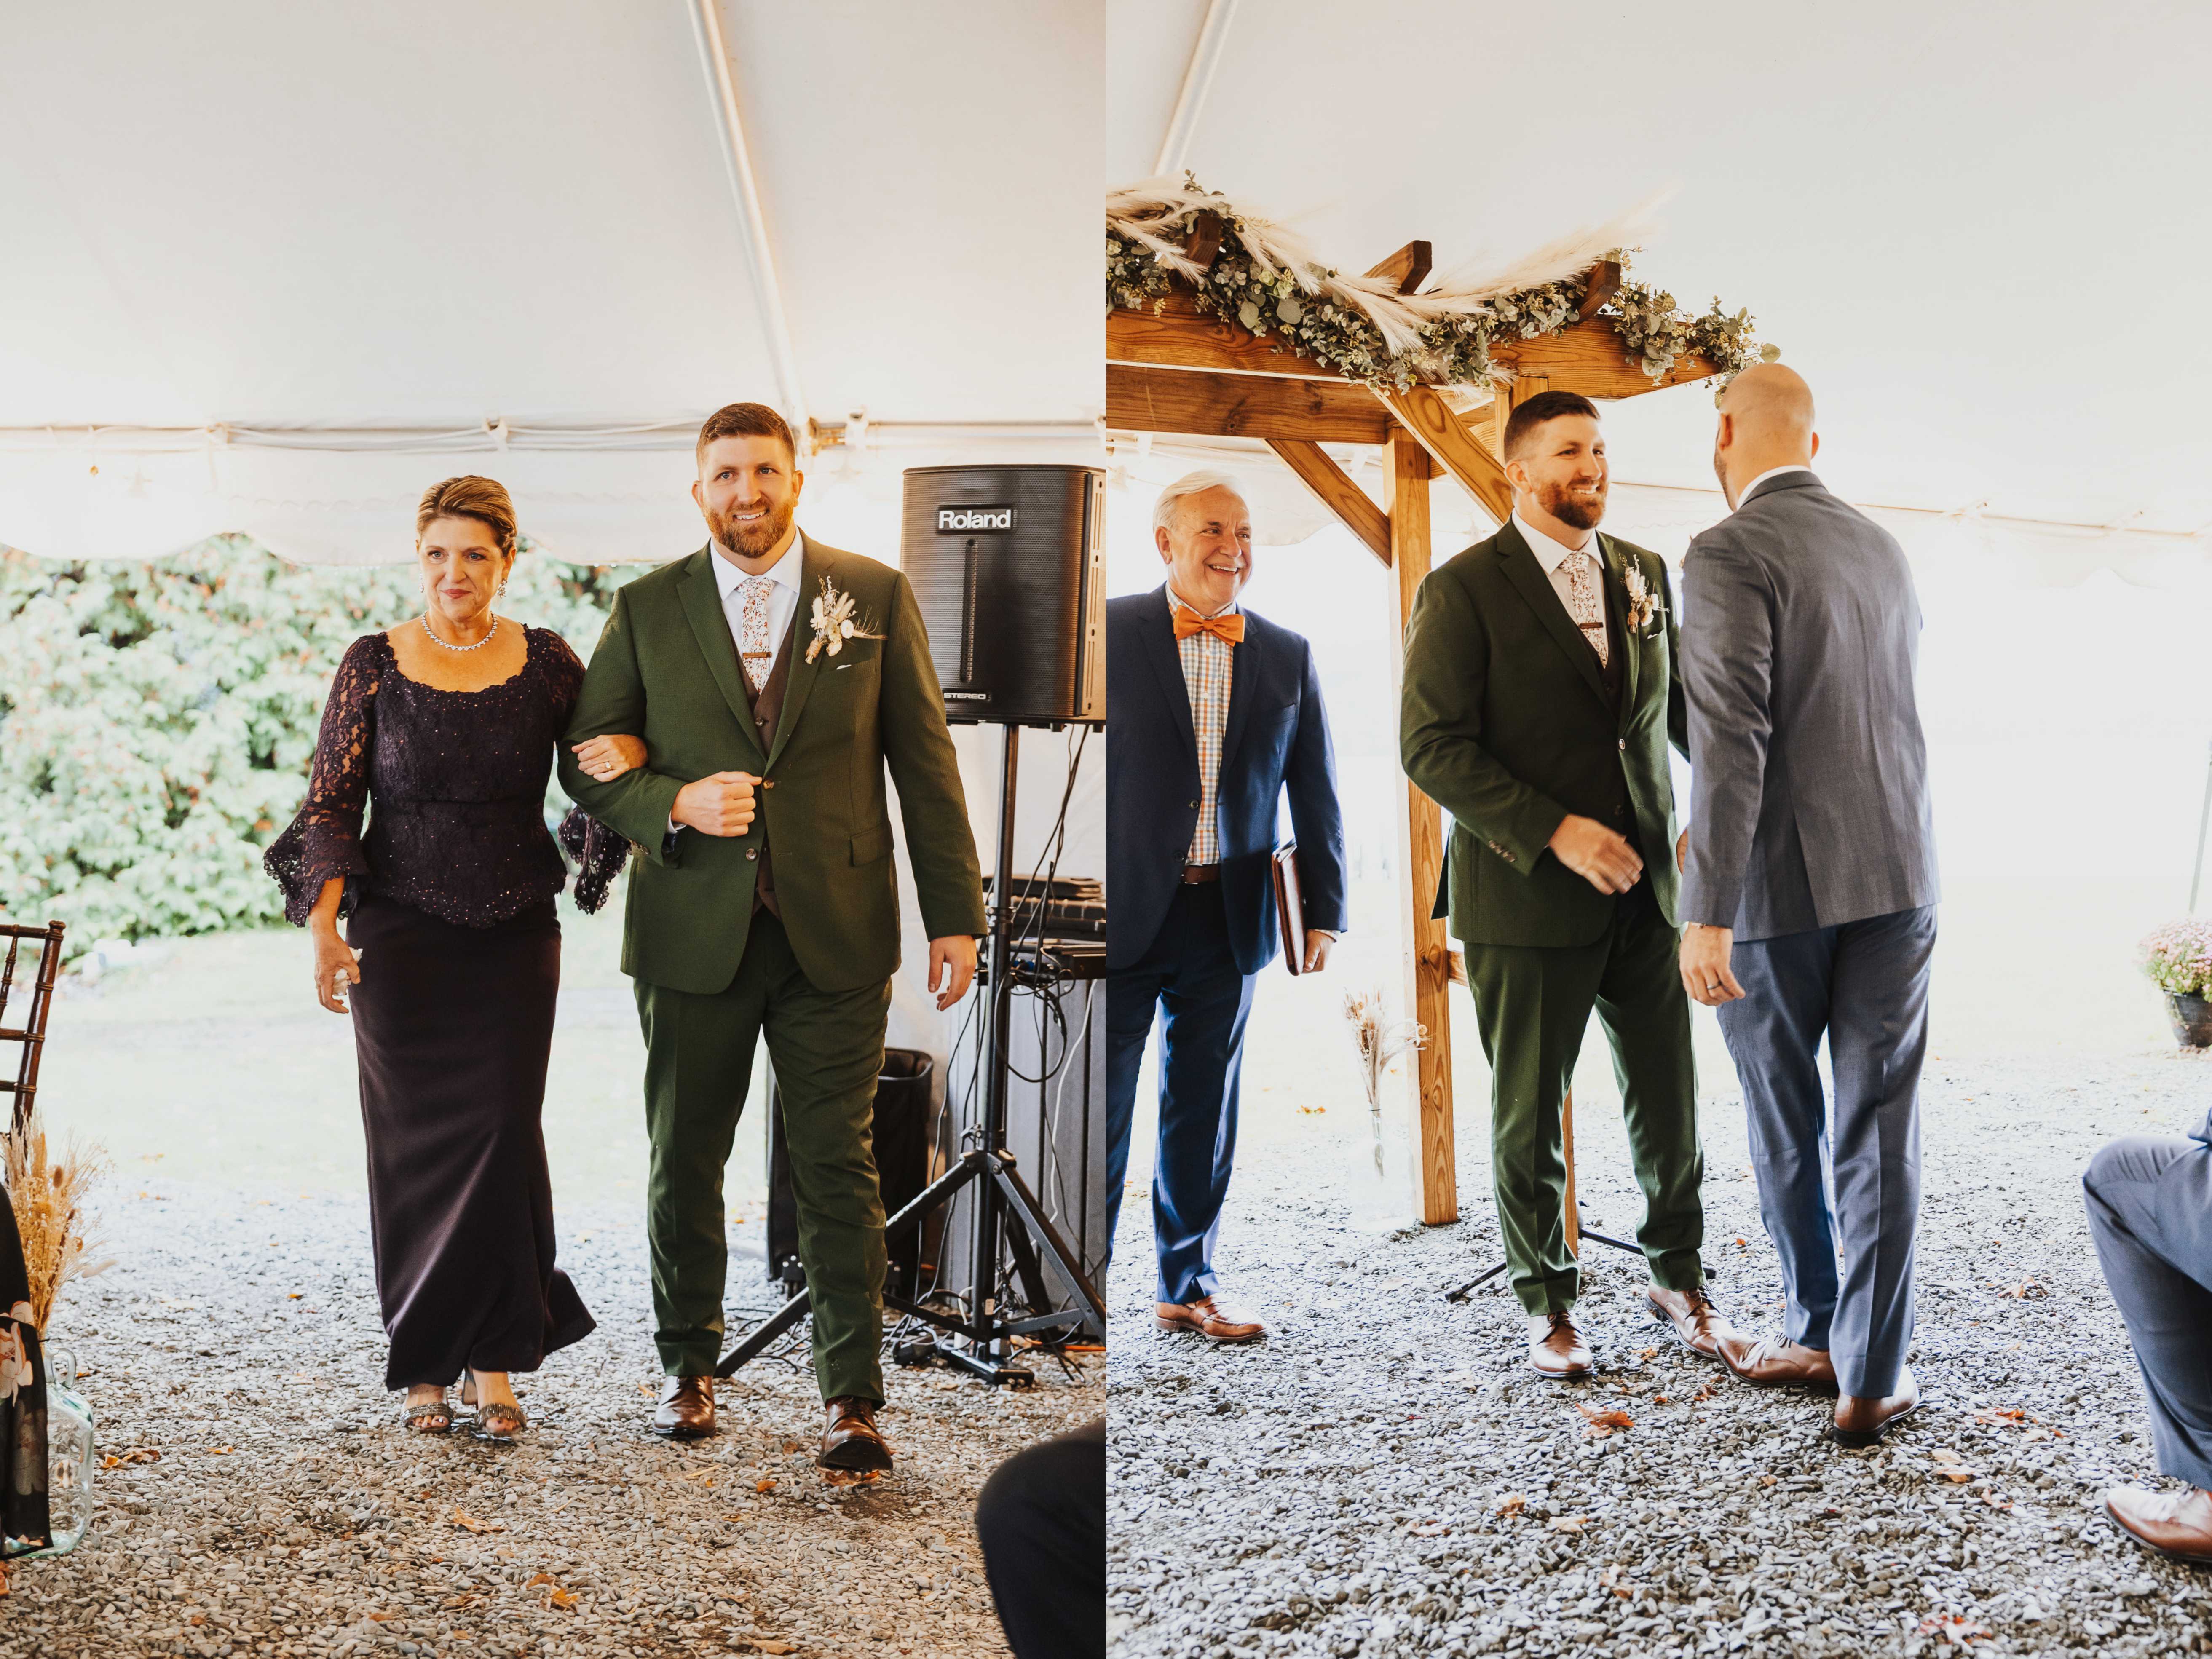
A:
x: 1534, y: 1005
x: 827, y: 1048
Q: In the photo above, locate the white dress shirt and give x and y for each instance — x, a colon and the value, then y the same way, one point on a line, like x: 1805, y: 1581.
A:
x: 1553, y: 556
x: 782, y: 602
x: 1744, y: 494
x: 782, y: 599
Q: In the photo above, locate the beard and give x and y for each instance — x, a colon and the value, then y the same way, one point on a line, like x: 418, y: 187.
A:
x: 1582, y: 514
x: 756, y: 540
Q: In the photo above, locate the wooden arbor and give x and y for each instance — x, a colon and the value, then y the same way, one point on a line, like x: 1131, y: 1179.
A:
x: 1179, y: 370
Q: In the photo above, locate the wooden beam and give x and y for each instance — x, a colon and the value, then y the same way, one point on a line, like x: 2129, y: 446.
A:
x: 1425, y: 416
x: 1427, y: 950
x: 1408, y: 267
x: 1589, y: 358
x: 1604, y: 283
x: 1180, y: 336
x: 1201, y: 244
x: 1338, y: 493
x: 1140, y: 398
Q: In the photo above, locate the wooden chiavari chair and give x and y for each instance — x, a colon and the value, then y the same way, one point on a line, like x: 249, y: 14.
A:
x: 31, y: 1035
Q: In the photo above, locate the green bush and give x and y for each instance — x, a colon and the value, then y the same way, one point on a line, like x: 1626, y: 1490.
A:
x: 157, y: 721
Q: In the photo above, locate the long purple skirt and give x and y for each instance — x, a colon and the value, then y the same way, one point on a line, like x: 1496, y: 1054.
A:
x: 452, y: 1027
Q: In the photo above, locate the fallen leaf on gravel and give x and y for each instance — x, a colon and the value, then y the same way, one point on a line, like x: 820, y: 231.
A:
x: 1958, y: 1477
x: 766, y: 1483
x: 851, y: 1477
x: 791, y: 1445
x: 2028, y: 1290
x: 557, y: 1597
x: 218, y: 1451
x: 775, y: 1647
x: 1954, y: 1630
x: 196, y: 1619
x: 136, y: 1454
x: 1567, y: 1522
x: 1513, y: 1502
x: 461, y: 1518
x: 1704, y: 1392
x: 1743, y: 1243
x: 1996, y: 1414
x: 542, y: 1578
x: 704, y: 1477
x: 294, y: 1296
x: 1598, y: 1425
x: 1313, y: 1111
x: 1658, y: 1399
x: 1647, y: 1353
x: 646, y: 1389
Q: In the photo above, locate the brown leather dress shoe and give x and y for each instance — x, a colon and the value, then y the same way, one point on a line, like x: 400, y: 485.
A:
x: 2177, y: 1524
x: 1861, y: 1420
x: 1699, y: 1324
x: 850, y: 1439
x: 686, y: 1411
x: 1776, y: 1361
x: 1209, y: 1319
x: 1556, y: 1347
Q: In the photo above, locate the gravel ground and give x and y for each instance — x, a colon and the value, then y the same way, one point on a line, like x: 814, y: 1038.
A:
x: 1384, y: 1475
x: 289, y: 1514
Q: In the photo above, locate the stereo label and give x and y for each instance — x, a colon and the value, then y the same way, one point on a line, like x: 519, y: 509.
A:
x: 968, y: 697
x: 953, y: 520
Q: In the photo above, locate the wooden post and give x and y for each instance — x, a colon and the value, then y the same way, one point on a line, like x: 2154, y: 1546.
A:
x: 1427, y: 950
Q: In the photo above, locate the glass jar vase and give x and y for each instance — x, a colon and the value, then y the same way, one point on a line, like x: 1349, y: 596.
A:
x: 69, y: 1454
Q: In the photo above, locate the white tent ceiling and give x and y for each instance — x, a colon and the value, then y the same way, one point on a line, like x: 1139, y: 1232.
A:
x: 1974, y: 228
x: 271, y: 249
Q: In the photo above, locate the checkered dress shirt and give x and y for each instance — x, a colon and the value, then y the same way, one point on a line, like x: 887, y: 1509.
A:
x: 1207, y: 663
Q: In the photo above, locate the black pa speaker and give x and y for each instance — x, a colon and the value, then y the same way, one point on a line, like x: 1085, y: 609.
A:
x: 1009, y: 565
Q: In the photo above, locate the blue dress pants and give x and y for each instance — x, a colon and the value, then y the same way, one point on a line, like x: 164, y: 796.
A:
x: 2150, y: 1212
x: 1188, y: 983
x: 1864, y: 986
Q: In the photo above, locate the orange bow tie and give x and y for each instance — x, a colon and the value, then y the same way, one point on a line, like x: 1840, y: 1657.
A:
x: 1229, y: 625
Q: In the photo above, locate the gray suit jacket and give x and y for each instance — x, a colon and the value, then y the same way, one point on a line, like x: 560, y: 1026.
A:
x: 1809, y: 788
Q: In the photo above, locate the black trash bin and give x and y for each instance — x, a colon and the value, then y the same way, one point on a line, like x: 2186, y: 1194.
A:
x: 907, y: 1160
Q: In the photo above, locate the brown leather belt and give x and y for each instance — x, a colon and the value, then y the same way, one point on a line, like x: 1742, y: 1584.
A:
x: 1197, y: 875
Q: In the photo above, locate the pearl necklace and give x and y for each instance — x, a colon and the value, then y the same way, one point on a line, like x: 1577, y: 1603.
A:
x: 479, y: 646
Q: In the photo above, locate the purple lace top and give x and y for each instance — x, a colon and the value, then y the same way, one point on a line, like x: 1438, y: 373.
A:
x: 458, y: 783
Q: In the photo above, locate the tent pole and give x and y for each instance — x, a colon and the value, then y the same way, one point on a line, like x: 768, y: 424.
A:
x: 1197, y: 81
x: 752, y: 223
x: 2204, y: 821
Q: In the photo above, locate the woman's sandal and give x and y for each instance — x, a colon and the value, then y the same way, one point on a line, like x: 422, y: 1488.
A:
x: 496, y: 1421
x: 428, y: 1416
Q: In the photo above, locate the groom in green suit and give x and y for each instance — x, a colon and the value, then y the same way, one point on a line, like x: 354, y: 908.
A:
x: 774, y: 681
x: 1540, y: 694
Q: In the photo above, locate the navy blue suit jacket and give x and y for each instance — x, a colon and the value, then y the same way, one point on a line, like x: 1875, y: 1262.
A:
x: 1277, y: 739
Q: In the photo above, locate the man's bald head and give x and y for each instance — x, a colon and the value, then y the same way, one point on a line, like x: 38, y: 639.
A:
x: 1769, y: 400
x: 1765, y: 421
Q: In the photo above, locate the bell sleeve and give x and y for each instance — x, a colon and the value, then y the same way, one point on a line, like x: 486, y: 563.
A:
x: 324, y: 840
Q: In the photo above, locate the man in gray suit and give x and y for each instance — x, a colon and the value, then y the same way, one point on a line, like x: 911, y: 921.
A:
x: 1810, y: 887
x: 2150, y: 1212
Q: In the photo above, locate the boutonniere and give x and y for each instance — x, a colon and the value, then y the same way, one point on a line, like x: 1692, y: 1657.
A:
x: 1643, y: 603
x: 836, y: 621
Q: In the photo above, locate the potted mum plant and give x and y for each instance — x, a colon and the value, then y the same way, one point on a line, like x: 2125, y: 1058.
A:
x: 2179, y: 959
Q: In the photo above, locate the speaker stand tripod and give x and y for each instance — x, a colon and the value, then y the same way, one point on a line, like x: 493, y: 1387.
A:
x: 1005, y: 1211
x: 1575, y: 1231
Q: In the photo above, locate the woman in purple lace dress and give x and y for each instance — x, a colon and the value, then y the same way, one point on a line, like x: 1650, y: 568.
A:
x: 452, y: 954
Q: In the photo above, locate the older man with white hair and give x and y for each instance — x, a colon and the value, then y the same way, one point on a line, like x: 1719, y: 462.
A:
x: 1213, y: 714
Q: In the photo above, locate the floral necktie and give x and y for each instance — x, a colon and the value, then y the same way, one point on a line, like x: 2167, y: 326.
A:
x: 754, y: 650
x: 1588, y: 613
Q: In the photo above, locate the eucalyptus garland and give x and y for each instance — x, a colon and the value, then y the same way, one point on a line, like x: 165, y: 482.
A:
x: 1263, y: 284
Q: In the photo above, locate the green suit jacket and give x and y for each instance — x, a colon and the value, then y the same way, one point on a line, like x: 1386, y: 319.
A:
x: 1505, y: 724
x: 666, y: 670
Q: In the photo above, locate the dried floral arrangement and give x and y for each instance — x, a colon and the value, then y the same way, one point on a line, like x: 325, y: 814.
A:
x: 48, y: 1196
x: 1379, y: 1041
x: 1266, y: 281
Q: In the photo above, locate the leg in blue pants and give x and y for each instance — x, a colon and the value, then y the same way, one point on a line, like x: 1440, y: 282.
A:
x: 1864, y: 986
x: 1190, y: 983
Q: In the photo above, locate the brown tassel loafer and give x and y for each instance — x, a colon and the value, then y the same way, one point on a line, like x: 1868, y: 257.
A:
x: 850, y: 1440
x: 687, y: 1408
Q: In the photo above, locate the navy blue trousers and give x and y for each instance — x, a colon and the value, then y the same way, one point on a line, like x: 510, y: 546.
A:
x: 1864, y: 986
x: 2150, y: 1212
x: 1189, y: 981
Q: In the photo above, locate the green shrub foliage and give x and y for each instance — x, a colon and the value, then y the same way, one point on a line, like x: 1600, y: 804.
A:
x: 157, y: 721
